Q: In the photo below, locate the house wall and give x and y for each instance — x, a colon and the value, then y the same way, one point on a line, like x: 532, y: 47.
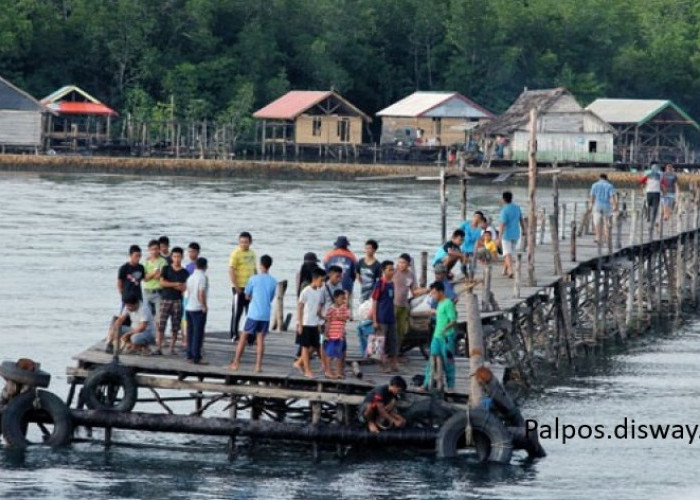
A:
x: 566, y: 102
x: 304, y: 128
x: 563, y: 146
x: 20, y: 128
x: 394, y: 128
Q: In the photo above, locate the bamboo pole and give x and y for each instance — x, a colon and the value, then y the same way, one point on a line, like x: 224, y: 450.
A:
x: 486, y: 295
x: 516, y: 281
x: 629, y: 305
x: 532, y: 191
x: 543, y: 224
x: 463, y: 186
x: 680, y: 260
x: 596, y: 291
x: 563, y: 222
x: 696, y: 246
x: 443, y: 200
x: 476, y: 346
x: 618, y: 229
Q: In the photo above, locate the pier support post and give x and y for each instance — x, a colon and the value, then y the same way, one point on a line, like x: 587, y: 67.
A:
x: 617, y: 218
x: 516, y: 280
x: 543, y: 225
x: 443, y: 200
x: 531, y: 192
x: 423, y: 280
x: 631, y: 287
x: 573, y: 241
x: 680, y: 258
x: 476, y: 346
x: 554, y: 228
x: 596, y: 291
x: 563, y: 222
x: 696, y: 246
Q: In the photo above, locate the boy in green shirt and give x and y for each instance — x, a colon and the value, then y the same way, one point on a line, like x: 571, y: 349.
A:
x: 151, y: 283
x: 442, y: 346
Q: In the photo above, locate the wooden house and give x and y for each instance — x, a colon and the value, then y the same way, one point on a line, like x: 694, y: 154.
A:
x: 431, y: 119
x: 309, y: 117
x: 81, y: 121
x: 648, y: 129
x: 21, y: 118
x: 565, y: 131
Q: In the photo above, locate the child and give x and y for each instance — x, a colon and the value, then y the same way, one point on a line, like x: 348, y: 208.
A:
x: 336, y: 317
x: 308, y: 311
x: 489, y: 250
x: 384, y: 320
x: 380, y: 405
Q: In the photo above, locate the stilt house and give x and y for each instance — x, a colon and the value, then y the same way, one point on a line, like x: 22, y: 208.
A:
x: 21, y: 118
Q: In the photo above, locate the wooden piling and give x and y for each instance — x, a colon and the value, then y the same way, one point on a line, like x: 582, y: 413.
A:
x: 543, y: 225
x: 476, y: 346
x: 463, y: 191
x: 443, y: 200
x: 572, y: 245
x: 680, y: 259
x: 617, y: 220
x: 516, y: 280
x: 554, y: 229
x: 423, y: 280
x: 563, y: 222
x: 278, y: 323
x: 531, y: 192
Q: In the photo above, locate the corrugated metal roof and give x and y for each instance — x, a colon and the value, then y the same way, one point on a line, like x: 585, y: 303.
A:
x: 422, y: 103
x: 626, y: 110
x: 13, y: 98
x: 80, y: 103
x: 295, y: 102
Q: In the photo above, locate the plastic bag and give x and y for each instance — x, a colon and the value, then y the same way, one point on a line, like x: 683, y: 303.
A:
x: 375, y: 347
x: 365, y: 310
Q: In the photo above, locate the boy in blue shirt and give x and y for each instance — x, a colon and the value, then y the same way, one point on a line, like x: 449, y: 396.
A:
x: 511, y: 223
x: 384, y: 319
x: 259, y: 292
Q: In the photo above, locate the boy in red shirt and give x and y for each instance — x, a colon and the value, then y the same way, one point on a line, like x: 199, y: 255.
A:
x: 337, y: 316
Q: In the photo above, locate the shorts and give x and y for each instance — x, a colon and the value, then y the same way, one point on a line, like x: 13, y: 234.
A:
x: 509, y: 247
x: 600, y: 215
x: 335, y: 348
x: 170, y: 309
x: 310, y: 337
x: 668, y: 200
x: 391, y: 341
x: 362, y: 409
x: 253, y: 326
x: 145, y: 337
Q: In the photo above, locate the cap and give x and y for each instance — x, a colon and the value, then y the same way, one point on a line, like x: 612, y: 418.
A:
x: 341, y: 242
x: 310, y: 257
x: 439, y: 268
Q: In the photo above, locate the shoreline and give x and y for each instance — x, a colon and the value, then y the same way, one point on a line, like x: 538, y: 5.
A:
x: 294, y: 170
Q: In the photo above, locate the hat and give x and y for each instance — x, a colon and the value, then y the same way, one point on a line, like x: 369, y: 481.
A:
x: 439, y: 268
x: 341, y: 242
x: 310, y: 257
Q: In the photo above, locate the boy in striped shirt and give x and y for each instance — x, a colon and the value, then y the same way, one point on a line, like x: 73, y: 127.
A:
x: 336, y: 317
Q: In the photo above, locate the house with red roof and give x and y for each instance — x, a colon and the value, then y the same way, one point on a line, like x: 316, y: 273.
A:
x: 310, y: 117
x: 431, y: 119
x: 81, y: 119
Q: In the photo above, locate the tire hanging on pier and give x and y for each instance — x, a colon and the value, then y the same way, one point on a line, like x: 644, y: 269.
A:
x: 36, y: 406
x: 492, y: 440
x: 101, y: 389
x: 13, y: 372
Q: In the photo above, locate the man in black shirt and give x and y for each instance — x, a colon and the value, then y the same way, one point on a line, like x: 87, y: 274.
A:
x: 378, y: 410
x: 131, y: 274
x: 173, y: 279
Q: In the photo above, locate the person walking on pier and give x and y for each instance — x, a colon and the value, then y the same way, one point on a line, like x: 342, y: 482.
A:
x: 652, y: 184
x: 669, y: 188
x: 241, y: 266
x: 308, y: 311
x: 260, y: 292
x: 306, y: 271
x: 131, y: 274
x: 196, y: 310
x: 604, y: 204
x: 384, y: 318
x: 511, y: 226
x: 333, y: 284
x: 173, y: 279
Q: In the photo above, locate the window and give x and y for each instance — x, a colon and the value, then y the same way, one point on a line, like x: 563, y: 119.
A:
x: 344, y: 130
x: 592, y: 146
x: 316, y: 126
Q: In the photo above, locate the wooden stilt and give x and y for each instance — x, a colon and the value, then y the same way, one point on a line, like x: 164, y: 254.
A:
x: 531, y: 192
x: 554, y: 228
x: 572, y: 246
x: 516, y: 280
x: 476, y: 346
x: 423, y: 280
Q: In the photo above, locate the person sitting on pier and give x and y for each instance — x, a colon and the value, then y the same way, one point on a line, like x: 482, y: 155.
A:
x: 336, y: 317
x: 511, y: 225
x: 173, y: 279
x: 489, y: 249
x: 141, y: 330
x: 450, y: 252
x: 604, y: 203
x: 378, y: 410
x: 308, y: 310
x: 260, y: 292
x: 442, y: 346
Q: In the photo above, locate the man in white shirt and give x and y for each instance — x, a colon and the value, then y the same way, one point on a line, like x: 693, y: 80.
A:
x: 196, y: 311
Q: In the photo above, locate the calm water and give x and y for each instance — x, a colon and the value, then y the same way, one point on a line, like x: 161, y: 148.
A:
x: 65, y: 236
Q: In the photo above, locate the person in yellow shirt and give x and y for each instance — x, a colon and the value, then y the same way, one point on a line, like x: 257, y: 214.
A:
x: 241, y: 266
x: 490, y: 244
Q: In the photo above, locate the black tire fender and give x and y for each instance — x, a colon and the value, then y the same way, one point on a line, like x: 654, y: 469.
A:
x: 528, y: 441
x: 492, y: 439
x: 10, y: 371
x: 19, y: 410
x: 428, y: 408
x: 115, y: 375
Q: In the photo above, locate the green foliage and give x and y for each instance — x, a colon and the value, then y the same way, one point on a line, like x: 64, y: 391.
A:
x: 222, y: 59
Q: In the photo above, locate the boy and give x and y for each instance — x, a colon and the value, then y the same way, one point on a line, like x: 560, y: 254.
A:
x: 336, y: 317
x: 369, y: 270
x: 450, y: 253
x: 259, y: 291
x: 173, y: 279
x: 241, y: 266
x: 405, y: 284
x: 193, y: 250
x: 489, y: 250
x: 384, y: 319
x: 164, y: 246
x: 332, y: 285
x: 152, y: 288
x: 380, y: 404
x: 131, y: 274
x: 308, y: 309
x: 141, y: 332
x: 196, y: 310
x: 442, y: 345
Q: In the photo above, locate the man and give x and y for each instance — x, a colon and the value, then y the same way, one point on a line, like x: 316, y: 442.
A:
x: 384, y: 318
x: 369, y: 270
x: 164, y: 244
x: 260, y: 291
x: 510, y: 226
x: 131, y: 274
x: 450, y: 252
x: 196, y: 311
x: 379, y: 406
x: 472, y: 233
x: 152, y: 287
x: 346, y: 260
x: 652, y: 186
x: 241, y: 266
x: 193, y: 250
x: 404, y: 284
x: 670, y: 188
x: 604, y: 204
x: 442, y: 345
x: 141, y: 330
x: 173, y: 279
